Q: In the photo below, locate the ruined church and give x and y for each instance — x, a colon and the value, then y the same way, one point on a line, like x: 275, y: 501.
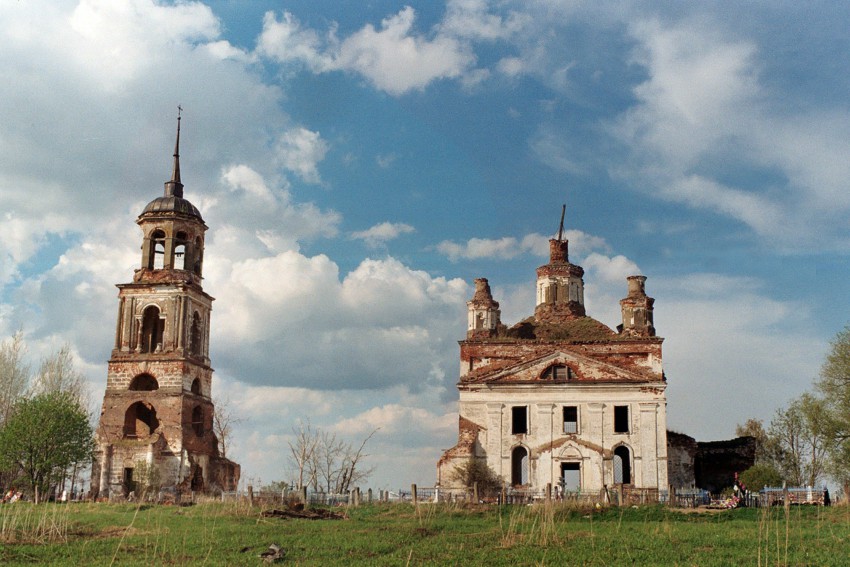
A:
x: 560, y: 397
x: 157, y: 415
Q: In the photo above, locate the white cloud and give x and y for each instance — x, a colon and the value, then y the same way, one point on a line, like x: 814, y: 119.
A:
x: 300, y: 151
x: 472, y: 19
x: 703, y: 113
x: 242, y: 177
x: 731, y: 351
x: 509, y: 247
x: 394, y: 58
x: 382, y: 233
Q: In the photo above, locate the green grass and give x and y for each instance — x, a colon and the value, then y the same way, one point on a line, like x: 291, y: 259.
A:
x: 226, y: 534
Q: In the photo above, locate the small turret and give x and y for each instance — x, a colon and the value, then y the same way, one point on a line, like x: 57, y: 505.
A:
x: 483, y: 312
x: 637, y: 310
x: 560, y: 284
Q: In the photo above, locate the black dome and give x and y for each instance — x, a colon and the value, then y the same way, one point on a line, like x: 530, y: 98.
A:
x: 172, y: 204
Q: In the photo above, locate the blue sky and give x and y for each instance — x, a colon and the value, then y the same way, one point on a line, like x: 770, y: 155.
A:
x: 359, y: 163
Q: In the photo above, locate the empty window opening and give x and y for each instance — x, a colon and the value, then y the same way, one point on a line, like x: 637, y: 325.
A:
x: 570, y: 477
x: 557, y: 372
x: 152, y: 327
x: 195, y: 335
x: 198, y: 421
x: 144, y: 383
x: 196, y: 386
x: 621, y: 419
x: 140, y: 420
x: 570, y: 419
x: 180, y: 258
x: 519, y: 466
x: 519, y: 420
x: 156, y: 259
x: 622, y: 466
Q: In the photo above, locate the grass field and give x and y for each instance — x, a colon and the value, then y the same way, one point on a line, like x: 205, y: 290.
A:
x: 400, y: 534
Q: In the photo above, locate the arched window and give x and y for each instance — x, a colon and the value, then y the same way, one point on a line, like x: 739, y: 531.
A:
x: 140, y: 420
x: 196, y: 386
x: 180, y: 252
x: 557, y: 372
x: 519, y: 466
x: 198, y: 256
x: 144, y: 383
x: 195, y: 335
x: 622, y: 465
x: 156, y: 258
x: 152, y: 327
x: 198, y: 421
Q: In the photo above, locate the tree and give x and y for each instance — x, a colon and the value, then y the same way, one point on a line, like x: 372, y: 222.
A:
x: 476, y: 471
x: 14, y: 374
x: 802, y: 441
x: 834, y: 388
x: 147, y: 480
x: 44, y: 437
x: 351, y: 474
x: 57, y: 374
x: 318, y: 455
x: 224, y: 420
x: 767, y: 447
x: 760, y: 475
x: 302, y: 453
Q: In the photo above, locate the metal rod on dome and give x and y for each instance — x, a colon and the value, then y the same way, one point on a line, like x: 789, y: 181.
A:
x: 561, y: 229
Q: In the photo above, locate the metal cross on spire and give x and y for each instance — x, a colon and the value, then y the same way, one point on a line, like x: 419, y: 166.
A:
x: 561, y: 227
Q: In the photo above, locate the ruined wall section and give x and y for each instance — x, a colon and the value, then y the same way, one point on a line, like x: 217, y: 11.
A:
x: 641, y: 356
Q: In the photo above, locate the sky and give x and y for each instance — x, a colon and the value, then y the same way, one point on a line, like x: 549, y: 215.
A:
x: 359, y: 163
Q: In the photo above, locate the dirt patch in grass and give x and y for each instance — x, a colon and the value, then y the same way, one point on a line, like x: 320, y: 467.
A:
x: 316, y: 514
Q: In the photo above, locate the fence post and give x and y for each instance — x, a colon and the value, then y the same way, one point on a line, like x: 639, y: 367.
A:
x: 475, y: 498
x: 413, y: 494
x: 369, y: 496
x: 250, y: 495
x: 619, y: 495
x: 548, y: 492
x: 671, y: 496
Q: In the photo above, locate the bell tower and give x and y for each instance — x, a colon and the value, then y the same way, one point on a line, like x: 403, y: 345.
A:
x: 157, y: 416
x: 560, y: 284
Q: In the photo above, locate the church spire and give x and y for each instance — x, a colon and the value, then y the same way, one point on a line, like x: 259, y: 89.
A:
x: 174, y: 188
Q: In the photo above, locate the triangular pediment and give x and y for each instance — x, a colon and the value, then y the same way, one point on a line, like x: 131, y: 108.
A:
x: 582, y: 368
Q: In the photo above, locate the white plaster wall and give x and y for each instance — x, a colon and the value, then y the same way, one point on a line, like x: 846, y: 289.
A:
x: 646, y: 439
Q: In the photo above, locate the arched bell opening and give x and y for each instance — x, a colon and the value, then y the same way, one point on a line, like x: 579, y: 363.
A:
x: 140, y: 420
x: 144, y: 383
x: 156, y: 253
x: 181, y: 251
